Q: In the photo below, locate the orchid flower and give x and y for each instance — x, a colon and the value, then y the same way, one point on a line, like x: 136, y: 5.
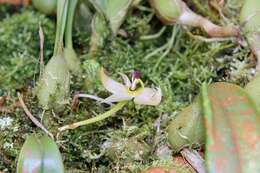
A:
x: 130, y: 90
x: 133, y: 89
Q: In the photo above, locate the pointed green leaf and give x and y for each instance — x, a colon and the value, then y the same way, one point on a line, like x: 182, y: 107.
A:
x: 39, y: 154
x: 233, y: 129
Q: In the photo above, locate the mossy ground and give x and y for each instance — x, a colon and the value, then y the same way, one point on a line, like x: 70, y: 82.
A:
x: 189, y: 63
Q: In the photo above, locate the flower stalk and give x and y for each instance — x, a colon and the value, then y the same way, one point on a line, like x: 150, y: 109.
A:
x: 98, y: 118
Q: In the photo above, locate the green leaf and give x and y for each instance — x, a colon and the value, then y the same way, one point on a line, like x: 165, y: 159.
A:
x: 114, y: 10
x: 39, y: 154
x: 253, y: 89
x: 249, y: 15
x: 232, y: 121
x: 187, y: 128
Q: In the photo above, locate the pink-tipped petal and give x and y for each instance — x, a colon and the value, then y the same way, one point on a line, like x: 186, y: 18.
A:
x: 149, y: 96
x: 112, y: 85
x: 117, y: 98
x: 126, y: 80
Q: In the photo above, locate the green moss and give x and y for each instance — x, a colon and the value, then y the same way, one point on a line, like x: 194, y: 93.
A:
x: 19, y: 48
x: 4, y: 11
x: 179, y: 74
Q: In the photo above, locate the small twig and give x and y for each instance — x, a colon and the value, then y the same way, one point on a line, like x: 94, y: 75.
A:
x: 33, y: 119
x: 194, y: 159
x: 41, y: 35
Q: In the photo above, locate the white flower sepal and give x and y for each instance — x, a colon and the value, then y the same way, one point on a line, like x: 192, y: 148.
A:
x: 121, y: 92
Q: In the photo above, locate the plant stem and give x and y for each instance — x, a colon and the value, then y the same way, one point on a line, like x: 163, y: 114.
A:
x: 101, y: 117
x: 62, y: 9
x: 70, y: 17
x: 189, y: 18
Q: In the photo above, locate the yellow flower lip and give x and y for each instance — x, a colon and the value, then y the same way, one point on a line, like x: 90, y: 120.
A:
x: 137, y: 91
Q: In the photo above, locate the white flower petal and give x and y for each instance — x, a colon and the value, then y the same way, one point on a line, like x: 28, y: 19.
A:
x: 112, y: 85
x: 126, y: 80
x: 117, y: 98
x: 149, y: 96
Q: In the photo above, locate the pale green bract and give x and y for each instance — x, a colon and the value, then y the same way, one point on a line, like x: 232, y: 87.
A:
x: 114, y: 10
x: 53, y: 88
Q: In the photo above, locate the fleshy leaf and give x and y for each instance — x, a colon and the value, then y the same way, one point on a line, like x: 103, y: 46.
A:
x: 232, y: 121
x: 39, y: 154
x: 187, y: 128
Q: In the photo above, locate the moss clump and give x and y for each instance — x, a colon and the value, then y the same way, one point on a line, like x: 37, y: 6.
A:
x: 19, y: 48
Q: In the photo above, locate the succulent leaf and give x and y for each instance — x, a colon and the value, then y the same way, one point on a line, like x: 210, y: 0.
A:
x: 232, y: 121
x: 187, y: 128
x: 39, y: 154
